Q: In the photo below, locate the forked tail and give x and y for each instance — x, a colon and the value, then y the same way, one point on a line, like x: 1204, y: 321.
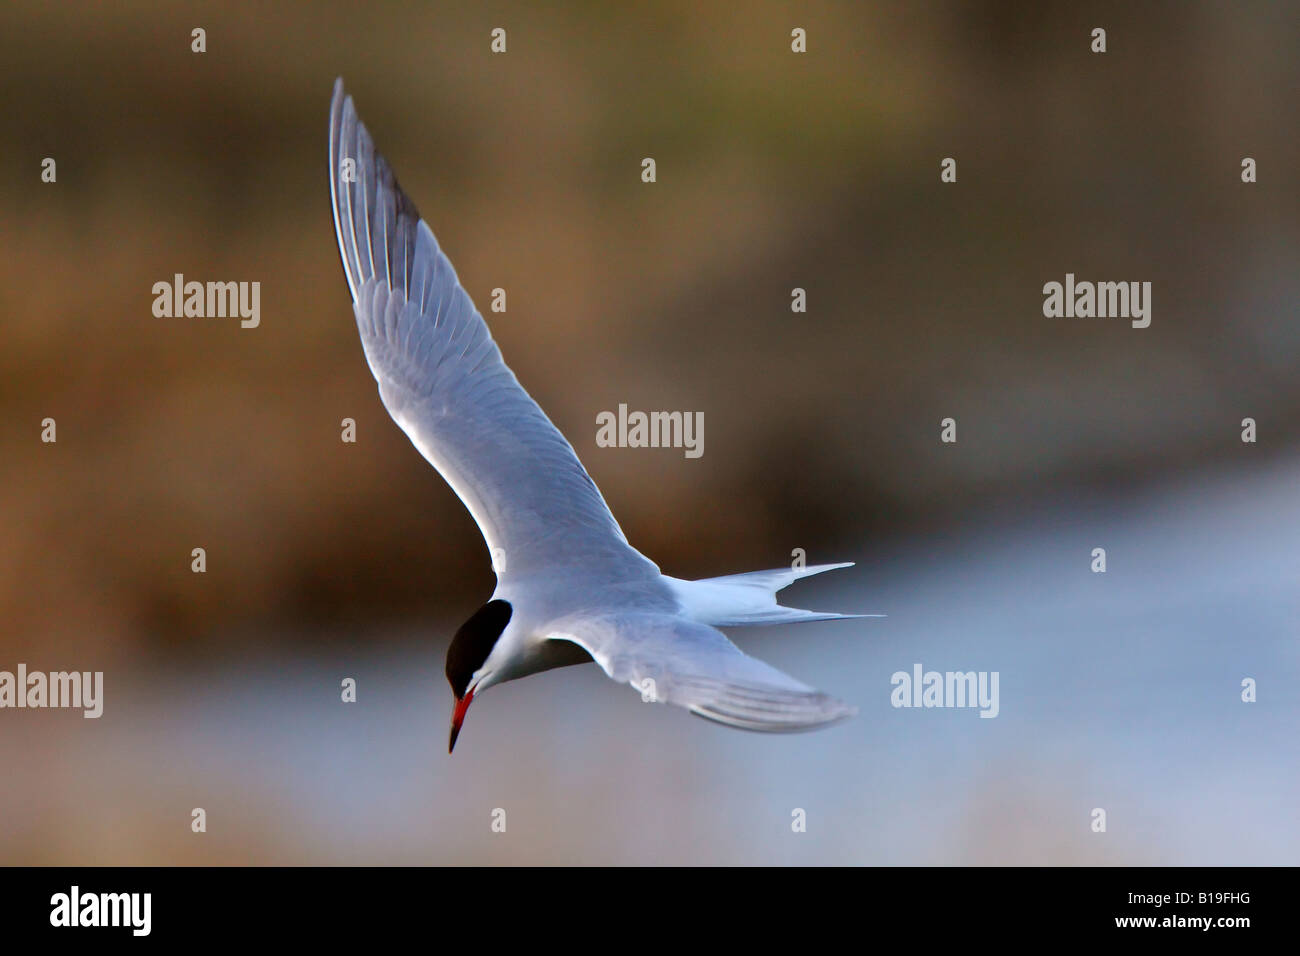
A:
x: 737, y: 600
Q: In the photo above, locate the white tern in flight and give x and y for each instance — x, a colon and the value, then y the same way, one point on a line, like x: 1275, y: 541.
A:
x: 570, y: 588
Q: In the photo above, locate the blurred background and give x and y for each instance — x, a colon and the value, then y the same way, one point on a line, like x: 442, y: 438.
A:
x: 775, y: 170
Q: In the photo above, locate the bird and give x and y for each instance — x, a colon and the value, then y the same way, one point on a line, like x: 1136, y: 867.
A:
x: 570, y: 588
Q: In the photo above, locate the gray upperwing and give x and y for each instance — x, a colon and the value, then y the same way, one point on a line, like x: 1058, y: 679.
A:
x: 443, y: 380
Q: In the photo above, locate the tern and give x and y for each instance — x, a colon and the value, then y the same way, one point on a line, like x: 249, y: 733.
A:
x: 570, y: 589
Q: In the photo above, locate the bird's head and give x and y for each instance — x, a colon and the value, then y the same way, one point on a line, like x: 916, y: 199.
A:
x: 467, y: 657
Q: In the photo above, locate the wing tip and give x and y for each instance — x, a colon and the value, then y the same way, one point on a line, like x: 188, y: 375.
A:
x: 384, y: 222
x: 339, y: 101
x: 827, y: 712
x: 340, y: 106
x: 837, y: 711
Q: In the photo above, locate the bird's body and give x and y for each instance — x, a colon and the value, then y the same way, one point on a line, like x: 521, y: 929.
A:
x: 570, y: 587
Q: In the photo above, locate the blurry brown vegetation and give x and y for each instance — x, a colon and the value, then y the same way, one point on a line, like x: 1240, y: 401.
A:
x: 775, y: 171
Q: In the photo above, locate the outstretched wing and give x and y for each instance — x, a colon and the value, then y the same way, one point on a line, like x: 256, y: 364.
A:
x: 442, y: 379
x: 677, y: 661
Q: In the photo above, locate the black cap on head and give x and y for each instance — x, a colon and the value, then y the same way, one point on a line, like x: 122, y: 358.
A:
x: 474, y: 642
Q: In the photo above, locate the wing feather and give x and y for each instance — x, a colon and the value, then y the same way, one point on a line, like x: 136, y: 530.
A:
x: 694, y: 666
x: 443, y: 380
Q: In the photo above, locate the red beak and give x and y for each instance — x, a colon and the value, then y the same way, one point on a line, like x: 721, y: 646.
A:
x: 458, y: 717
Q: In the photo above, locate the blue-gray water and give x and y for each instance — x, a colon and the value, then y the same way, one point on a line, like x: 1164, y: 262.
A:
x: 1119, y: 690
